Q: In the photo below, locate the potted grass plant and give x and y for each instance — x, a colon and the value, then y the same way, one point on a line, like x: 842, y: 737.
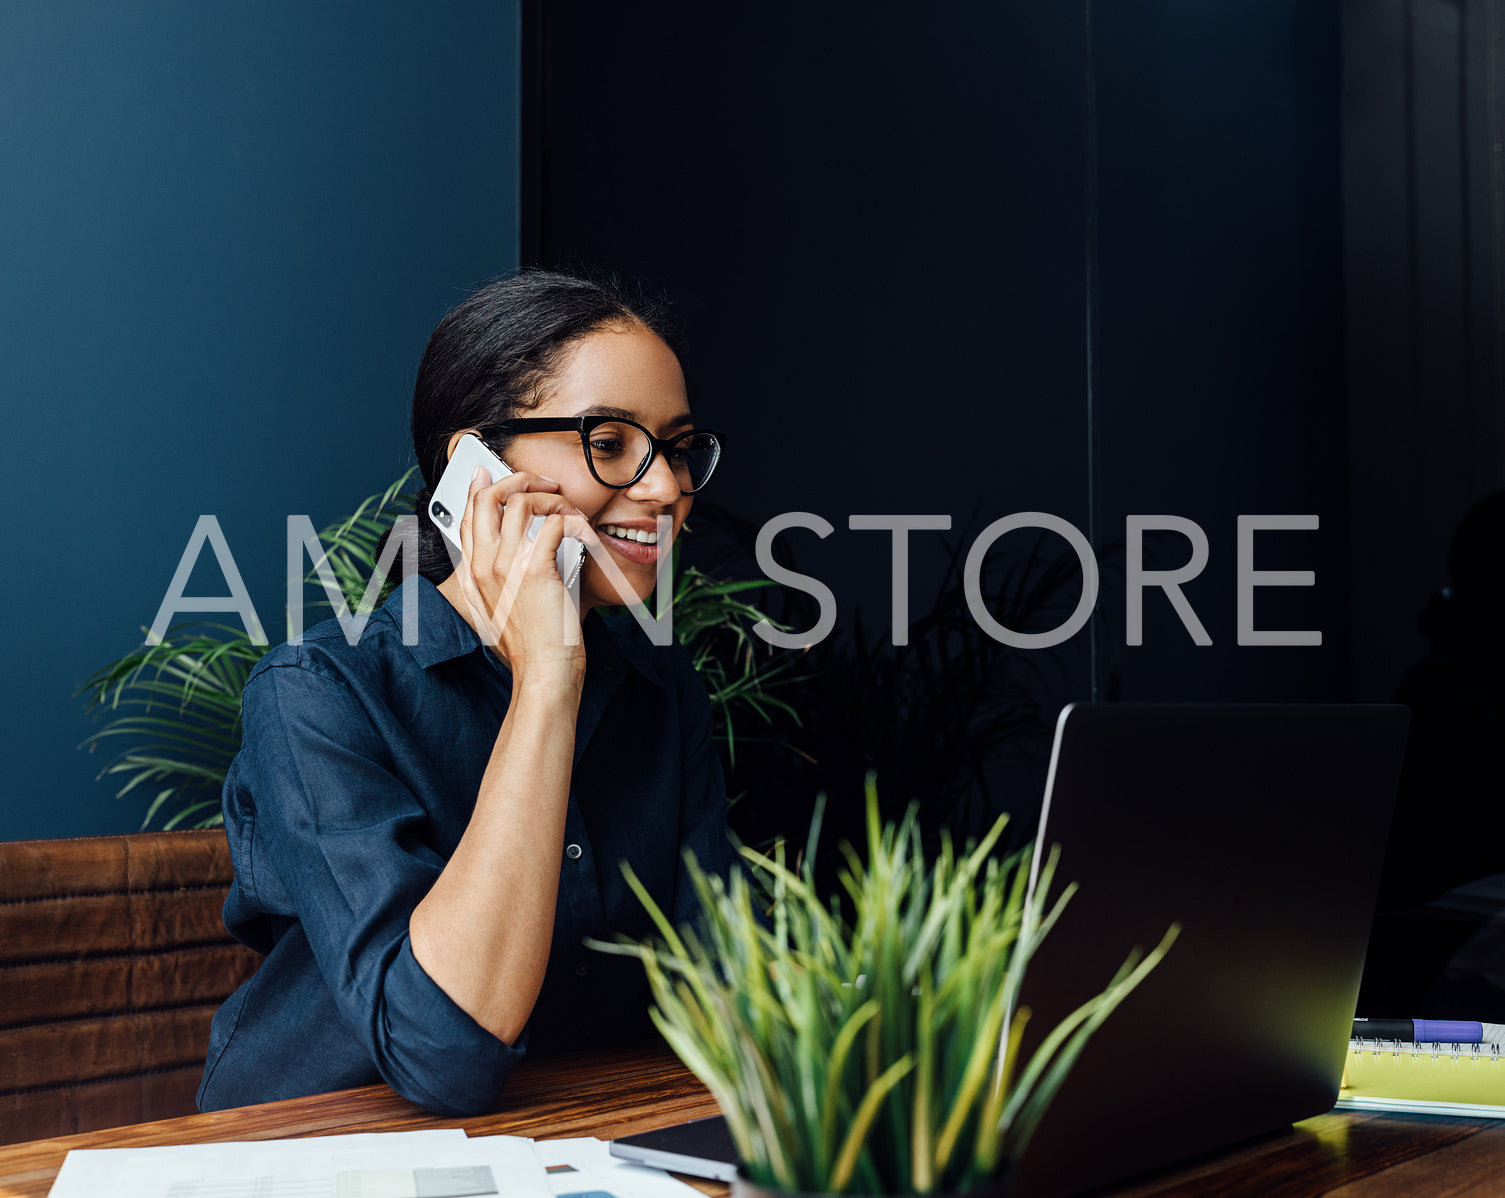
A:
x: 869, y: 1043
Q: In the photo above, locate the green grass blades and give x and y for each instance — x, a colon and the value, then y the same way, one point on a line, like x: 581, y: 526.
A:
x: 869, y: 1047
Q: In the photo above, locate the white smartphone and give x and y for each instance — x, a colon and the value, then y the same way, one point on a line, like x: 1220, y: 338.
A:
x: 447, y: 506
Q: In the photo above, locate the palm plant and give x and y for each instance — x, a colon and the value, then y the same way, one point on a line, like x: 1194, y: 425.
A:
x: 178, y: 702
x: 875, y: 1053
x: 738, y: 670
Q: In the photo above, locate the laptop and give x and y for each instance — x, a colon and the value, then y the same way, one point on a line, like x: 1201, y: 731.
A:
x: 1261, y: 829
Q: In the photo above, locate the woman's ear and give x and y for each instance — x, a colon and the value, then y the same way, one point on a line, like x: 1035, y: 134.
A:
x: 454, y: 439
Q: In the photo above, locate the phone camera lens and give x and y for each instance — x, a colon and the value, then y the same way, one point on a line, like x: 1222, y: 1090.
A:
x: 441, y: 514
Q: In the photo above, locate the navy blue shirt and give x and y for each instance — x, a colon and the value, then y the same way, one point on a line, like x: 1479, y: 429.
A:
x: 358, y: 773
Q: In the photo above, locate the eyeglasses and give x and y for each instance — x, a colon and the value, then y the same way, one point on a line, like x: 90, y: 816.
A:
x: 619, y: 452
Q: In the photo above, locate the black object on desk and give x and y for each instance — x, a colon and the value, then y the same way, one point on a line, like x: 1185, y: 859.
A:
x: 701, y: 1148
x: 1261, y: 830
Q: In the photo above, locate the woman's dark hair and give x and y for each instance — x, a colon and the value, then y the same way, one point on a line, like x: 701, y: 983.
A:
x: 491, y: 356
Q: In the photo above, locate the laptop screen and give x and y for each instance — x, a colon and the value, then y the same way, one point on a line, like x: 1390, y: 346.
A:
x: 1261, y: 830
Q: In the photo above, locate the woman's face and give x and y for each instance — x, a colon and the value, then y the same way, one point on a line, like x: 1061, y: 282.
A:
x: 626, y: 372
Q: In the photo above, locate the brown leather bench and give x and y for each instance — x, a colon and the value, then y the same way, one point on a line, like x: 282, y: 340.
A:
x: 113, y: 960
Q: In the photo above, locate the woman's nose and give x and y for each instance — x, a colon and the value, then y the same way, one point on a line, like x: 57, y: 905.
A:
x: 659, y: 484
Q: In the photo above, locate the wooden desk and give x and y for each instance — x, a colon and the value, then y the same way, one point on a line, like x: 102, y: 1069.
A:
x: 599, y: 1094
x: 619, y: 1093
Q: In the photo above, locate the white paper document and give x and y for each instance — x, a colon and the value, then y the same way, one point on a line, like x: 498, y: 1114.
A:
x: 583, y: 1167
x: 419, y: 1164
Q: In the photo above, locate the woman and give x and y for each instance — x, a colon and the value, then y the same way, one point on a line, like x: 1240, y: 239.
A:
x: 423, y: 834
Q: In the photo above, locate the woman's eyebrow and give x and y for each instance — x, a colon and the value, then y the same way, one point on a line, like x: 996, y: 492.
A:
x: 683, y: 420
x: 605, y: 410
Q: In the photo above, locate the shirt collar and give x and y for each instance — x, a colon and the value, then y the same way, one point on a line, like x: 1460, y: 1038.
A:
x: 443, y: 634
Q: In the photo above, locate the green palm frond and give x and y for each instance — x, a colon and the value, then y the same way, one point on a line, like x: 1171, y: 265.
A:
x: 350, y: 546
x: 176, y: 704
x: 740, y: 671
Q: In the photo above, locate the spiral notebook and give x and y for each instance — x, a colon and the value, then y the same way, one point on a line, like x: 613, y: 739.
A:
x: 1424, y: 1079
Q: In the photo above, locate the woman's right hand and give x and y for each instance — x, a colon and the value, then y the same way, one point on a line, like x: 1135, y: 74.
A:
x: 518, y: 603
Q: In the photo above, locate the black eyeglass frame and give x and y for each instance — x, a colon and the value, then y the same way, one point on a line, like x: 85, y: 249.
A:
x: 585, y: 425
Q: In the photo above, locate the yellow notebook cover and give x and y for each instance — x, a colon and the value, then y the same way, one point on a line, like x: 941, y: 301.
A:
x: 1465, y: 1079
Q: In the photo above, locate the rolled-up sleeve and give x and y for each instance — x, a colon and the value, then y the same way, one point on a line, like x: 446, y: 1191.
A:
x: 325, y: 831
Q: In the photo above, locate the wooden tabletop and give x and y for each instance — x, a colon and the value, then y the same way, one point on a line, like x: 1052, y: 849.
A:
x: 619, y: 1093
x: 603, y: 1094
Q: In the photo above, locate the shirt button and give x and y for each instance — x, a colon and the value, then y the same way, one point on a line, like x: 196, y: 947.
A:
x: 582, y: 969
x: 573, y: 852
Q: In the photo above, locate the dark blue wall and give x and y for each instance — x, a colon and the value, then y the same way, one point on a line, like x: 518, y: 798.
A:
x: 1219, y: 387
x: 226, y: 233
x: 913, y: 256
x: 874, y: 229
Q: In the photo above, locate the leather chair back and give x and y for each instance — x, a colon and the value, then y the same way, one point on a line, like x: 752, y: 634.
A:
x: 113, y: 960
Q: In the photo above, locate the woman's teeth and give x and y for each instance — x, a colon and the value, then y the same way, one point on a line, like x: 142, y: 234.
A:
x: 630, y: 534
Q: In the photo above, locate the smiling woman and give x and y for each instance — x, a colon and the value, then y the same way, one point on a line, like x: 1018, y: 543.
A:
x: 619, y: 474
x: 424, y: 834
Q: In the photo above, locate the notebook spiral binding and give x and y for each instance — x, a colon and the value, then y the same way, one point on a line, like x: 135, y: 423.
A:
x: 1490, y: 1052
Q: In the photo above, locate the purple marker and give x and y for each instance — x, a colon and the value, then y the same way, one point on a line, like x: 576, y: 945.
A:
x: 1420, y: 1031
